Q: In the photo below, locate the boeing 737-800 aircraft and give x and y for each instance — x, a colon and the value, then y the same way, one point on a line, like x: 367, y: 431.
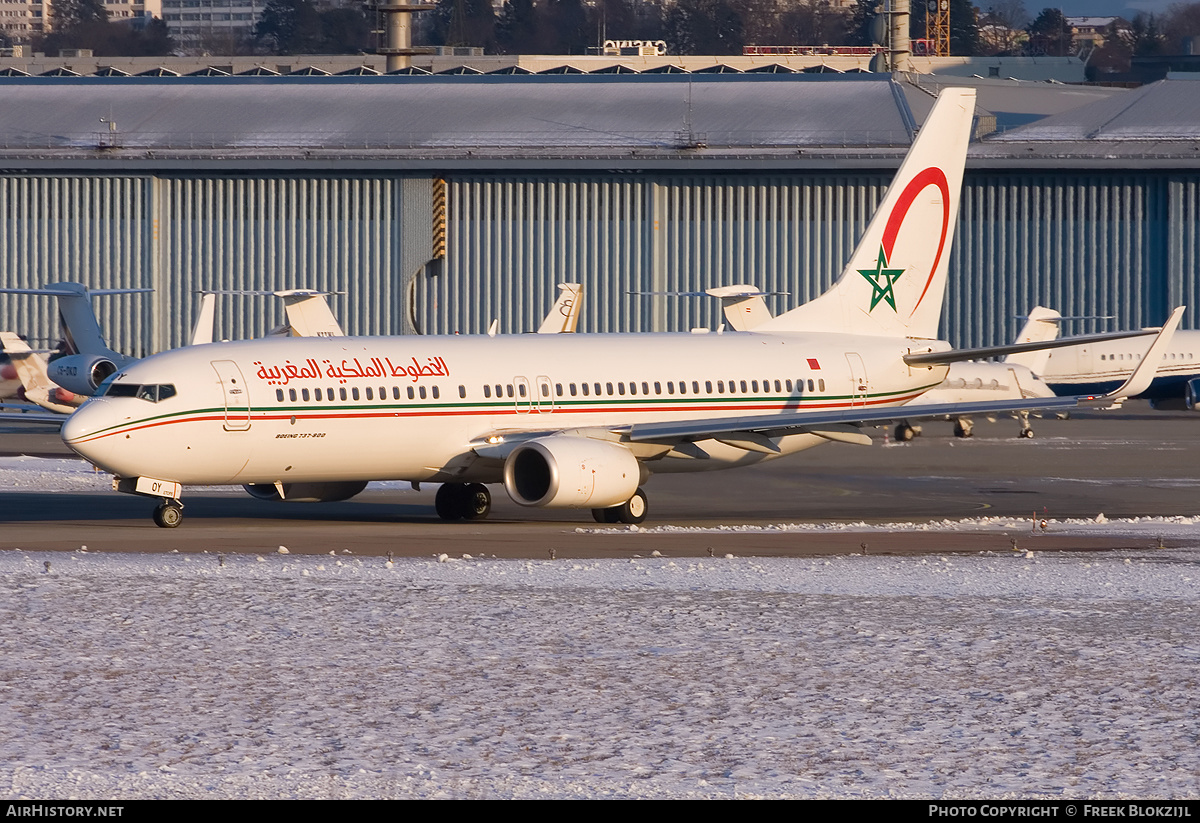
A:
x: 568, y: 421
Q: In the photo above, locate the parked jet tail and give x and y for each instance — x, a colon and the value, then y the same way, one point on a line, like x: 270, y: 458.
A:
x: 894, y: 281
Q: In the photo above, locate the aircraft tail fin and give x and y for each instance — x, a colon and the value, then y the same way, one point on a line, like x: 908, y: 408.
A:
x: 563, y: 316
x: 78, y: 319
x: 744, y: 306
x: 202, y: 332
x: 31, y: 369
x: 1042, y: 325
x: 309, y: 314
x: 894, y: 282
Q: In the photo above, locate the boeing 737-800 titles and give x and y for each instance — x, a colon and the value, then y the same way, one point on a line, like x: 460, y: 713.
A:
x: 576, y: 421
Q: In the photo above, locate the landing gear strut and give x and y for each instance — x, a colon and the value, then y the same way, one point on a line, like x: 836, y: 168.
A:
x: 632, y: 511
x: 463, y: 501
x: 905, y: 431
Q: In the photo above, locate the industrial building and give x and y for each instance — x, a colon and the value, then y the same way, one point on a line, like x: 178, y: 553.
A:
x: 438, y: 203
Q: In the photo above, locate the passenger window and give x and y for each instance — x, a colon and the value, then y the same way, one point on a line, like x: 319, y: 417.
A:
x: 558, y: 389
x: 670, y: 387
x: 657, y: 387
x: 395, y: 392
x: 278, y: 395
x: 585, y: 389
x: 521, y: 389
x: 621, y: 388
x: 743, y: 387
x: 695, y: 387
x: 487, y: 390
x: 370, y: 393
x: 510, y: 390
x: 342, y: 392
x: 708, y: 386
x: 545, y: 389
x: 683, y: 387
x: 753, y: 385
x: 304, y: 395
x: 412, y: 394
x: 421, y: 391
x: 292, y: 395
x: 821, y: 384
x: 596, y: 386
x: 462, y: 391
x: 645, y: 387
x: 573, y: 389
x: 720, y: 387
x: 610, y: 388
x: 354, y: 392
x: 810, y: 384
x: 437, y: 392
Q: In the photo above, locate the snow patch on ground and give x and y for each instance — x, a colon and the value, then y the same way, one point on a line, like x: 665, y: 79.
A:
x: 305, y: 676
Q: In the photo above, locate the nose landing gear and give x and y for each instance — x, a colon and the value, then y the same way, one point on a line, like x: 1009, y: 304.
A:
x: 168, y: 514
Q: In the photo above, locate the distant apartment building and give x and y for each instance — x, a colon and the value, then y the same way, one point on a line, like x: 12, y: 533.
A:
x: 193, y: 22
x: 24, y: 19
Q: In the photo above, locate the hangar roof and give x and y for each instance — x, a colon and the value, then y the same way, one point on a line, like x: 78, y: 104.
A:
x: 1166, y: 110
x: 449, y: 117
x: 661, y: 122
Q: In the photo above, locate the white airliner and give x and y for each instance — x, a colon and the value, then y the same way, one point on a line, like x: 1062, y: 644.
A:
x: 577, y: 421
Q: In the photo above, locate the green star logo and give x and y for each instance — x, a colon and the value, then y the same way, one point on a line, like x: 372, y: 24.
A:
x: 882, y: 280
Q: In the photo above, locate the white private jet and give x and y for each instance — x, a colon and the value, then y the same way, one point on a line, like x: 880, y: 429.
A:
x: 1091, y: 368
x: 90, y: 361
x: 579, y: 421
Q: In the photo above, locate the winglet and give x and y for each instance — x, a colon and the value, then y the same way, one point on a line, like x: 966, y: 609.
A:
x: 1143, y: 375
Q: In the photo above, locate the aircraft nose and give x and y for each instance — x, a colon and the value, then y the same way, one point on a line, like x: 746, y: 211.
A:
x: 80, y: 431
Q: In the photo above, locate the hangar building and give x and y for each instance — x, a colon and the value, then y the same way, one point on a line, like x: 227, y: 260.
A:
x: 438, y: 203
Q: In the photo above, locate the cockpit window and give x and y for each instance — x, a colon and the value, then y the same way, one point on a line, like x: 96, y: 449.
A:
x: 153, y: 392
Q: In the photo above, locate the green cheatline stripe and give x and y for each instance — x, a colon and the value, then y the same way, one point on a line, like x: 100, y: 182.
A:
x: 509, y: 403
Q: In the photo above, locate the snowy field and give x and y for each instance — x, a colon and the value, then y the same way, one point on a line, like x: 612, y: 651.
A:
x: 175, y: 676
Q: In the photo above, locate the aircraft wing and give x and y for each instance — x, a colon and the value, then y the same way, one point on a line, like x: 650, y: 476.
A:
x: 30, y: 414
x: 762, y: 427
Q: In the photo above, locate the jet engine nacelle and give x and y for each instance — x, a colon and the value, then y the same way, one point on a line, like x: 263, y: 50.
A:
x: 1191, y: 395
x: 81, y: 373
x: 307, y: 492
x: 563, y: 472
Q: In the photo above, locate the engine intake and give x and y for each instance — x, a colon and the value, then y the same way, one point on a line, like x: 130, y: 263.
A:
x: 565, y: 472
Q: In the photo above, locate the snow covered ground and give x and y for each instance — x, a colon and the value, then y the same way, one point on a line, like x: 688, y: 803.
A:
x: 1013, y: 675
x: 175, y: 675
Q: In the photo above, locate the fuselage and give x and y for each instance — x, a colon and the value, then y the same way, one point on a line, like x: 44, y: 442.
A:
x: 415, y: 408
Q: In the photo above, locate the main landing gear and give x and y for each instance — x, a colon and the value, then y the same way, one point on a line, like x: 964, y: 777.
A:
x: 631, y: 511
x: 463, y: 501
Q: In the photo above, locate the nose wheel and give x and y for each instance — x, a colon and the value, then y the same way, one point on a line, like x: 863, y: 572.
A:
x: 168, y: 514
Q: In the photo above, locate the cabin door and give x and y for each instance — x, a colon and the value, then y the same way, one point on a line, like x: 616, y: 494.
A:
x: 237, y: 399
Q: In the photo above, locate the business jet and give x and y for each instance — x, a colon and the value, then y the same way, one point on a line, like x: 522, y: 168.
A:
x: 89, y: 360
x: 1094, y: 367
x: 580, y: 421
